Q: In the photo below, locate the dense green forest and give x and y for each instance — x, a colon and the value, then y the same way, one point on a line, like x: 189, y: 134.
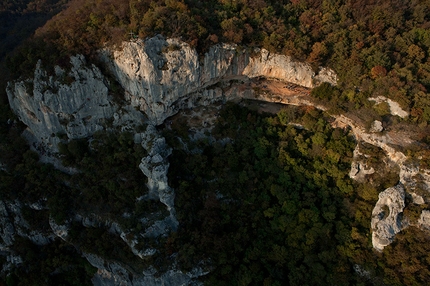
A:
x: 274, y: 205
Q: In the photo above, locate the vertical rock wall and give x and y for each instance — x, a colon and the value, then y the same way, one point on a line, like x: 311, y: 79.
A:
x: 158, y: 74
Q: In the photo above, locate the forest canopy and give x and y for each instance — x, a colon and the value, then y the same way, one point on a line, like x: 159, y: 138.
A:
x: 274, y: 205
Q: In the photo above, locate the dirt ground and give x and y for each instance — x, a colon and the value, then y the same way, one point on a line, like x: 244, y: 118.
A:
x: 280, y: 88
x: 204, y: 117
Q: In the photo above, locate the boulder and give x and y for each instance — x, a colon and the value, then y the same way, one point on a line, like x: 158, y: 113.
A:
x: 387, y: 216
x: 424, y: 220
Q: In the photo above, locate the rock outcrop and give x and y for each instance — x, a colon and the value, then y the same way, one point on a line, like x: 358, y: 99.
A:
x: 155, y: 165
x: 359, y: 169
x: 387, y: 216
x: 74, y: 103
x: 162, y: 76
x: 114, y: 274
x: 411, y: 176
x: 376, y: 126
x: 12, y: 223
x: 395, y: 108
x: 424, y: 220
x: 158, y: 77
x: 282, y: 67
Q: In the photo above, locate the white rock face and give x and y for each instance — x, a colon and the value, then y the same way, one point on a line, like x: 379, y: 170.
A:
x: 153, y: 77
x: 378, y: 140
x: 395, y: 108
x: 161, y: 76
x: 376, y: 126
x: 155, y: 167
x: 77, y: 109
x: 424, y: 220
x: 386, y: 223
x: 53, y: 107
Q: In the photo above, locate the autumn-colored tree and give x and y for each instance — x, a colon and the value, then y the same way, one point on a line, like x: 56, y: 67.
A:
x: 378, y: 71
x: 232, y: 30
x: 319, y: 51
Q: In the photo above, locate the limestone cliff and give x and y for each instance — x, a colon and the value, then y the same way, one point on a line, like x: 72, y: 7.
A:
x: 157, y: 78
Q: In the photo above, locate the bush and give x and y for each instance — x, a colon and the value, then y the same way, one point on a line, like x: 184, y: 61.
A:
x: 325, y: 91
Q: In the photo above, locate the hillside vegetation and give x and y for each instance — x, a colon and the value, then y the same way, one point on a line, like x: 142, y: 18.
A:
x: 275, y: 205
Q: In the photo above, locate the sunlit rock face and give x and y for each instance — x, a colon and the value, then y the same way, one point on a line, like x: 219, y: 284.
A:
x: 387, y: 216
x: 155, y: 74
x: 161, y: 76
x: 284, y: 68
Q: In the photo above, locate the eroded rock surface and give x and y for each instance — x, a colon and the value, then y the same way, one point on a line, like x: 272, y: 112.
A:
x: 115, y: 274
x: 376, y: 126
x: 387, y: 216
x: 75, y: 103
x: 424, y: 220
x: 359, y: 168
x: 162, y: 76
x: 12, y: 223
